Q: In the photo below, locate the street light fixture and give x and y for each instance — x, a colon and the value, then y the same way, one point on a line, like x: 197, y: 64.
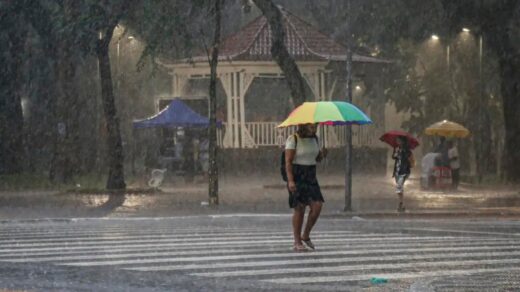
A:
x: 436, y: 38
x: 465, y: 29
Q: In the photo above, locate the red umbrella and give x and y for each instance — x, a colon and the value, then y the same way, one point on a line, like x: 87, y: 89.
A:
x: 391, y: 137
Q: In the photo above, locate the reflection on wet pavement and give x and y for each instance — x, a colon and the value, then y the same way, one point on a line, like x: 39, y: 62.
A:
x: 261, y: 194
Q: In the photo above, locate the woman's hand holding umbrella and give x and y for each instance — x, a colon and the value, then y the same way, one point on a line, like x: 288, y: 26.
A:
x: 323, y: 154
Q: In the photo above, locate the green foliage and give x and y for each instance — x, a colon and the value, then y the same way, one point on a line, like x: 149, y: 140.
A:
x: 92, y: 183
x: 25, y: 182
x: 169, y: 28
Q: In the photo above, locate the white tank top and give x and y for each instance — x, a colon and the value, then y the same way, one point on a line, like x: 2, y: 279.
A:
x: 307, y: 149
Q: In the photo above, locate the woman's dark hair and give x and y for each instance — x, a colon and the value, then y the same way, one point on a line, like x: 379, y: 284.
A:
x: 302, y: 131
x: 404, y: 142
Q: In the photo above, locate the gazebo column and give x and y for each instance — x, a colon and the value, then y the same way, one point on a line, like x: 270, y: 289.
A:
x: 244, y: 80
x: 235, y: 85
x: 317, y: 81
x: 320, y: 85
x: 327, y: 91
x: 312, y: 81
x: 235, y: 109
x: 229, y: 136
x: 318, y: 96
x: 179, y: 84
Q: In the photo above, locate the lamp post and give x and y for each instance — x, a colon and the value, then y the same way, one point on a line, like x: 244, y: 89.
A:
x: 480, y: 107
x: 480, y: 110
x: 480, y: 99
x: 348, y: 153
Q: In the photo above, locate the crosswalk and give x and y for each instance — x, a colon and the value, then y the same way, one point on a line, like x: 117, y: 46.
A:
x: 259, y: 254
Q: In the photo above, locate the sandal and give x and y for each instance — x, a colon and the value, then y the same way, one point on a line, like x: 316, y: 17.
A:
x: 308, y: 243
x: 298, y: 247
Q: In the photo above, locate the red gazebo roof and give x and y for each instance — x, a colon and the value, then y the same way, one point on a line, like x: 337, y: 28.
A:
x: 304, y: 42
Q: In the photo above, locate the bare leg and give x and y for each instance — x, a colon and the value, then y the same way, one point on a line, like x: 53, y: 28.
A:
x: 400, y: 179
x: 314, y: 213
x: 297, y: 223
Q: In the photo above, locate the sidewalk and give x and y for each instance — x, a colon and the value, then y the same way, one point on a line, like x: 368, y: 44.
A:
x: 372, y: 197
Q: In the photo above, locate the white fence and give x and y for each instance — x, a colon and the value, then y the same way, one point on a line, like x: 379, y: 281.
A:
x: 266, y: 134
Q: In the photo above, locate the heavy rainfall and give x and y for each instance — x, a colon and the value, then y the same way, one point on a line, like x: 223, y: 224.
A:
x: 199, y: 145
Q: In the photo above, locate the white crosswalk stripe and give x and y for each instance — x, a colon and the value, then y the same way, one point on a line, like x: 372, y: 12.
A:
x: 261, y: 254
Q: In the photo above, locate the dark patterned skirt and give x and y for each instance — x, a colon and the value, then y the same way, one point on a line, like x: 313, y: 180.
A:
x: 307, y: 187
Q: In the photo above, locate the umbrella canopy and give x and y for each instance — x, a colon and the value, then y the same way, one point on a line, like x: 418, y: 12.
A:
x: 391, y: 138
x: 447, y: 129
x: 326, y: 113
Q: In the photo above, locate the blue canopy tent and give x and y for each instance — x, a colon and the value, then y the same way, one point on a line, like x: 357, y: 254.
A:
x: 176, y: 114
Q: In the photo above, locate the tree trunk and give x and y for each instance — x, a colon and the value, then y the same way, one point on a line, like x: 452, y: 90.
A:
x: 510, y: 87
x: 115, y: 157
x: 293, y: 76
x: 11, y: 115
x: 212, y: 134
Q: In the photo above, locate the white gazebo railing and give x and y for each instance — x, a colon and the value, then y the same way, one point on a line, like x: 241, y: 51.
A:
x: 361, y: 135
x: 266, y: 134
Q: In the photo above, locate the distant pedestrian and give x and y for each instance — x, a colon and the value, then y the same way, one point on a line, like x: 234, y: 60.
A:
x: 428, y: 164
x: 403, y: 163
x: 302, y: 151
x: 204, y: 155
x: 188, y: 157
x: 442, y: 149
x: 453, y: 154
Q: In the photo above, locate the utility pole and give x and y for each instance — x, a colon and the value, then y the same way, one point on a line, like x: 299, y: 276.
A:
x: 480, y: 170
x: 212, y: 129
x: 348, y: 148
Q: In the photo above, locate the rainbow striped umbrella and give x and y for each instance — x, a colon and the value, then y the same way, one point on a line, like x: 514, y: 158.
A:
x: 326, y: 113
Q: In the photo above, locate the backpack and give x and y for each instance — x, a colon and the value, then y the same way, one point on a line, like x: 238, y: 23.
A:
x: 411, y: 159
x: 283, y: 171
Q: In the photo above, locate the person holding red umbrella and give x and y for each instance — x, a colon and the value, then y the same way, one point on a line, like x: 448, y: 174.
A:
x: 403, y: 144
x: 391, y: 137
x: 404, y: 161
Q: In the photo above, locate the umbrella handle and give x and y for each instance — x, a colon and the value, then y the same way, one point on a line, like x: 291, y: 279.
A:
x: 323, y: 144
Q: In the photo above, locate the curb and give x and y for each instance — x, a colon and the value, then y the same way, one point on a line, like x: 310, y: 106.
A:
x: 427, y: 214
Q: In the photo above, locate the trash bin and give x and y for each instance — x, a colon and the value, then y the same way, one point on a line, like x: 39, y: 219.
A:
x: 427, y: 167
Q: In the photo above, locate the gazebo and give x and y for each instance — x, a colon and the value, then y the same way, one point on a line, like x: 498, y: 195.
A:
x: 246, y: 56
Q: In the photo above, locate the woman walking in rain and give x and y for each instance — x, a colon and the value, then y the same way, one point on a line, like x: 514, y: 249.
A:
x: 403, y: 163
x: 302, y: 151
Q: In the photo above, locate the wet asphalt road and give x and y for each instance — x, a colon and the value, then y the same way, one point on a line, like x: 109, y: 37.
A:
x: 253, y: 253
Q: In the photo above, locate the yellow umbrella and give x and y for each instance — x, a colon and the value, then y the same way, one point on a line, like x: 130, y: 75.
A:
x: 447, y: 129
